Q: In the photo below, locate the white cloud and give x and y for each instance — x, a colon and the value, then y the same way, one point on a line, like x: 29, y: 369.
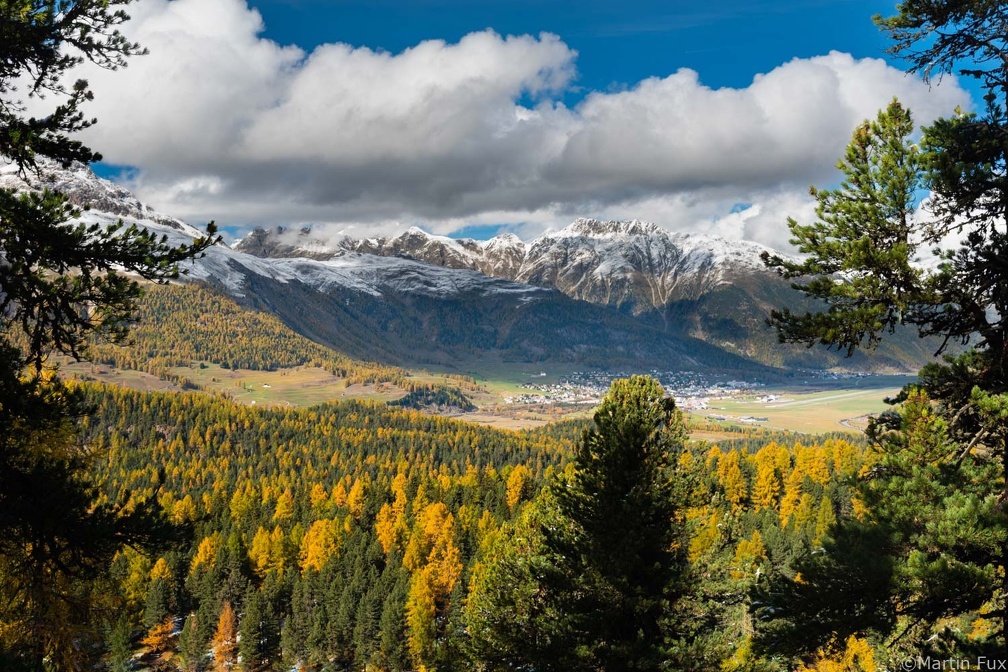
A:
x: 222, y: 123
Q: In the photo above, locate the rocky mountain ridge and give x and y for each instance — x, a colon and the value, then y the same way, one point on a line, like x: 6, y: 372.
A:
x: 631, y: 264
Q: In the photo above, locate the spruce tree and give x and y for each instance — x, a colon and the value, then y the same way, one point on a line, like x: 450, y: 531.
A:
x: 590, y: 577
x: 192, y: 648
x: 258, y: 631
x: 627, y: 550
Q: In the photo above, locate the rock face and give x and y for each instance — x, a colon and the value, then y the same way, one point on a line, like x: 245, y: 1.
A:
x: 86, y: 190
x: 688, y: 285
x: 631, y: 265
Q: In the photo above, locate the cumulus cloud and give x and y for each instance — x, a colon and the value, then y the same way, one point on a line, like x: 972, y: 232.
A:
x: 222, y: 123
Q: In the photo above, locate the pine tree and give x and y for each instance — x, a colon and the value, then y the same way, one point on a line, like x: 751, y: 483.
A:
x: 392, y: 650
x: 861, y: 253
x: 157, y: 607
x: 120, y: 646
x: 511, y: 612
x: 61, y: 283
x: 258, y: 631
x: 192, y: 650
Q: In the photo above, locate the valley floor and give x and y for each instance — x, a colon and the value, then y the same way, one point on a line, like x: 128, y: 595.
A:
x: 526, y: 397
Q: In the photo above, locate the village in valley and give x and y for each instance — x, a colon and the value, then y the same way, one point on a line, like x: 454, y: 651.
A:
x: 692, y: 390
x: 721, y: 399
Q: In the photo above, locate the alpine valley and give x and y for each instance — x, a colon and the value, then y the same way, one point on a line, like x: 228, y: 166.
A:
x: 596, y: 294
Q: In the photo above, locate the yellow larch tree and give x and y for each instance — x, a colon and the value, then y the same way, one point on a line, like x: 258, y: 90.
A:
x: 390, y: 524
x: 284, y: 509
x: 160, y: 644
x: 792, y: 495
x: 206, y: 553
x: 857, y: 656
x: 259, y: 552
x: 825, y: 520
x: 357, y: 494
x: 421, y: 611
x: 736, y: 489
x: 320, y: 542
x: 518, y: 484
x: 767, y: 488
x: 224, y: 644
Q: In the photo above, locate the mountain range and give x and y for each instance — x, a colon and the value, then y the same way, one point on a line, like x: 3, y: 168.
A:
x: 690, y: 286
x: 594, y: 294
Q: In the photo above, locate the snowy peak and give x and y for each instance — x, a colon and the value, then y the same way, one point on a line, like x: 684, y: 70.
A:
x: 503, y: 242
x: 106, y: 200
x: 374, y: 296
x: 618, y: 263
x: 700, y: 247
x: 595, y: 228
x: 280, y: 255
x: 421, y: 246
x: 632, y: 264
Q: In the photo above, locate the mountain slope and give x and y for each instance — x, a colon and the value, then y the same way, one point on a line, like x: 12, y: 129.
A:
x: 686, y: 285
x: 634, y: 264
x: 397, y: 310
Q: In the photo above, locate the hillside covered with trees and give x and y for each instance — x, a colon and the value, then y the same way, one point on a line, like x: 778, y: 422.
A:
x: 353, y: 535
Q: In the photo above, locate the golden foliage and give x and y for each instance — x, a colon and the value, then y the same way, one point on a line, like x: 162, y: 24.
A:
x: 857, y: 656
x: 224, y: 644
x: 206, y: 553
x: 320, y: 542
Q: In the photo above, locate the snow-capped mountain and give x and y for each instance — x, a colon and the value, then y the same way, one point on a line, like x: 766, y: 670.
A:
x: 395, y: 309
x: 635, y: 264
x: 688, y: 285
x: 106, y: 202
x: 627, y: 294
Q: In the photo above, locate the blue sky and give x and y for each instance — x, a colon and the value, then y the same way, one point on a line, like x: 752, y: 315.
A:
x: 475, y: 116
x: 618, y: 42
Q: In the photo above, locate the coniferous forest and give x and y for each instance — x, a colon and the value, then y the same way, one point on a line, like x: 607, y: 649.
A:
x: 184, y: 531
x: 353, y: 535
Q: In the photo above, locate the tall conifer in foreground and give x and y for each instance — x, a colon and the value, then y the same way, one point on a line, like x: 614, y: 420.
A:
x: 939, y: 576
x: 61, y: 283
x: 590, y: 578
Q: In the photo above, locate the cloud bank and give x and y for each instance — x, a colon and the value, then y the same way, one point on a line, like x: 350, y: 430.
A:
x: 223, y: 124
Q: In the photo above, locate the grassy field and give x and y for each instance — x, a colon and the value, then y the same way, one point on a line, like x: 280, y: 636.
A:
x: 826, y: 411
x: 300, y: 386
x: 506, y: 378
x: 803, y: 408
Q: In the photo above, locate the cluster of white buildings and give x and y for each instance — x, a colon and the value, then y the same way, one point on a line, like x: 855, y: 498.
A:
x: 692, y: 391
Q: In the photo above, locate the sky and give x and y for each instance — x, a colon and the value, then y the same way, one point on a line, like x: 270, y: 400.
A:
x: 470, y: 117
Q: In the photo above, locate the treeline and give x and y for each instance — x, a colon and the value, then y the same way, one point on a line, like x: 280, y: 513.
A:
x: 191, y: 325
x: 347, y: 536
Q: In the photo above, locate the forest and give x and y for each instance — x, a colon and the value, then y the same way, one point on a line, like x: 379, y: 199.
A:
x: 354, y: 536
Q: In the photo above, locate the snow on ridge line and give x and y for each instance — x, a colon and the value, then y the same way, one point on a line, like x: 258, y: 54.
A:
x: 105, y: 200
x: 611, y: 240
x: 366, y: 273
x: 370, y: 274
